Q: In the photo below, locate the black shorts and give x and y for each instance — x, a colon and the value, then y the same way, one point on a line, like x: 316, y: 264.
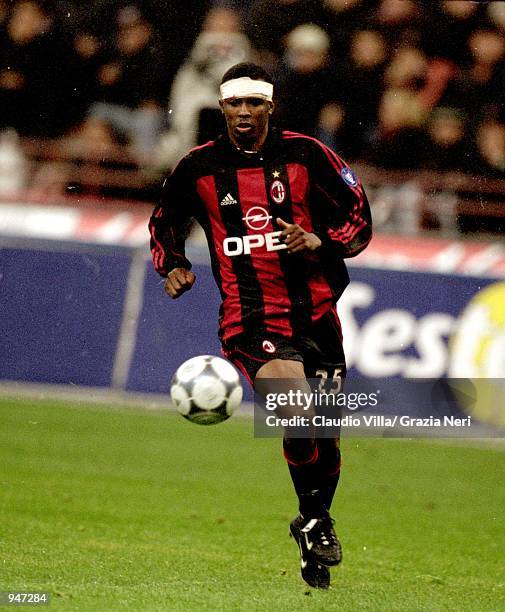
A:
x: 320, y: 349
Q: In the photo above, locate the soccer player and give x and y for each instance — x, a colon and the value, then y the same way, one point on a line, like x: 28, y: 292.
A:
x: 280, y: 211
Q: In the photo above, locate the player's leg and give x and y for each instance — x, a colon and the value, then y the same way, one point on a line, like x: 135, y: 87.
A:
x: 328, y: 439
x: 300, y: 452
x: 314, y: 526
x: 253, y: 356
x: 272, y: 373
x: 301, y: 456
x: 328, y: 462
x: 324, y: 357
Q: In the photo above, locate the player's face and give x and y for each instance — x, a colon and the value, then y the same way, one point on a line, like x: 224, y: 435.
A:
x: 247, y: 120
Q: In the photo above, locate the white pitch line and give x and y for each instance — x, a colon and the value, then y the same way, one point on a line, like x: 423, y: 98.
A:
x: 80, y: 395
x: 133, y: 302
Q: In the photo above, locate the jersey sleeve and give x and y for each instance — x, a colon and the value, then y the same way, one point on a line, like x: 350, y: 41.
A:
x: 171, y: 220
x: 344, y: 221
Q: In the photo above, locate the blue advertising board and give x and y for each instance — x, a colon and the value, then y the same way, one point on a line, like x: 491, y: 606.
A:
x: 171, y: 331
x: 62, y: 315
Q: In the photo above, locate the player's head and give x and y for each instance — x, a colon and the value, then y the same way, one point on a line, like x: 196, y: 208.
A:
x: 246, y: 94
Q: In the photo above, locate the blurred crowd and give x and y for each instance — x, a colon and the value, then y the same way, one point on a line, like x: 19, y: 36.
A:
x: 402, y: 84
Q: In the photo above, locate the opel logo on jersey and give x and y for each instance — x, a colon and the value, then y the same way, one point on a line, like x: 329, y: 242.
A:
x: 257, y: 218
x: 268, y: 346
x: 278, y: 192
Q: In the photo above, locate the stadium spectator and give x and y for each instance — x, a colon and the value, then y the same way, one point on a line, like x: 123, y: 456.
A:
x: 92, y: 140
x: 480, y: 84
x: 34, y: 73
x: 401, y: 22
x: 86, y: 55
x: 487, y: 163
x: 407, y: 69
x: 340, y: 18
x: 13, y: 164
x: 194, y: 112
x: 177, y: 23
x: 496, y: 16
x: 332, y: 128
x: 450, y: 24
x: 132, y: 84
x: 49, y: 182
x: 3, y: 12
x: 223, y: 20
x: 278, y: 317
x: 489, y: 149
x: 447, y: 146
x: 411, y: 69
x: 307, y: 83
x: 399, y: 139
x: 268, y: 21
x: 59, y: 58
x: 361, y: 76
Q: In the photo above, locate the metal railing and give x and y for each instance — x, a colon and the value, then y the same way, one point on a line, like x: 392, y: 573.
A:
x: 408, y: 202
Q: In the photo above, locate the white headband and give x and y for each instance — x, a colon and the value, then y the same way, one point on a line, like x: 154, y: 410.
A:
x: 245, y: 87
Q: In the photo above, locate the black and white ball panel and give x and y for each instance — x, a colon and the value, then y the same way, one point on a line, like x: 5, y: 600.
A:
x: 206, y: 389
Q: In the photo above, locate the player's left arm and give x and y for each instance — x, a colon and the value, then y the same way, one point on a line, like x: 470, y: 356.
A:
x: 296, y: 238
x: 341, y: 211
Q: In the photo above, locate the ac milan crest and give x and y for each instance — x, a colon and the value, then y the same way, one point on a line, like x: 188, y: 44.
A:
x: 268, y: 346
x: 278, y: 192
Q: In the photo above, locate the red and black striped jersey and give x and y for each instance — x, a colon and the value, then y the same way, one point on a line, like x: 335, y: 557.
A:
x: 237, y: 198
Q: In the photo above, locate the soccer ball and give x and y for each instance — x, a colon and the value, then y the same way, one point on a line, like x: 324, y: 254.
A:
x: 206, y: 389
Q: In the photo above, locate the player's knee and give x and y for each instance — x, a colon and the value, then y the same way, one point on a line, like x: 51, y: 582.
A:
x: 285, y: 380
x: 281, y: 368
x: 329, y: 454
x: 300, y: 451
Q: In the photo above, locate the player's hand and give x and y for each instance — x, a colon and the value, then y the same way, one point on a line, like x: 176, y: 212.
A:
x: 296, y: 238
x: 178, y: 281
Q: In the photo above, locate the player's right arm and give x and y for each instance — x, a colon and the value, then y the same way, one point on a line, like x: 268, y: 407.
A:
x: 169, y: 226
x: 178, y: 281
x: 344, y: 219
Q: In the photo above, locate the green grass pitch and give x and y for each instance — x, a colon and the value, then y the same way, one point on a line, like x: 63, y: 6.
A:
x: 129, y: 509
